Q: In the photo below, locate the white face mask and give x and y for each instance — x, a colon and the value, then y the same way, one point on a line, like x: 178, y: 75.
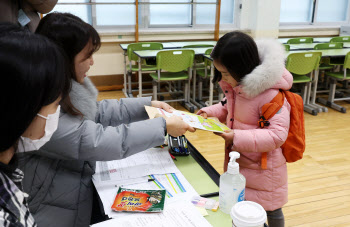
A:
x: 50, y: 128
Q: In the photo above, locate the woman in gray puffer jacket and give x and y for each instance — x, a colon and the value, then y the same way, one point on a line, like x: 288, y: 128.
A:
x: 9, y: 10
x: 58, y: 175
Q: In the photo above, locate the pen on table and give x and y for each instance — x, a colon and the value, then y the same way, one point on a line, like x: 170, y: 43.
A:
x: 173, y: 157
x: 135, y: 182
x: 210, y: 195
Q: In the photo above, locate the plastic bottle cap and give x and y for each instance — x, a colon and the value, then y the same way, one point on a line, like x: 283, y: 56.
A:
x: 248, y: 214
x: 232, y: 166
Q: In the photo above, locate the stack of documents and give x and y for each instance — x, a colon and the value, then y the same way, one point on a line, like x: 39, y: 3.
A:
x: 152, y: 169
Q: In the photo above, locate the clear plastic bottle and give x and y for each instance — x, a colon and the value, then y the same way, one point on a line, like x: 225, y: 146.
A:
x: 232, y: 185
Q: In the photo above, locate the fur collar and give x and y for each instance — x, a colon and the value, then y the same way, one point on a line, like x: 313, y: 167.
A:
x: 84, y: 98
x: 269, y: 72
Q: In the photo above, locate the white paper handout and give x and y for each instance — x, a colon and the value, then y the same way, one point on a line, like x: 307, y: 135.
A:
x: 179, y: 214
x: 151, y: 161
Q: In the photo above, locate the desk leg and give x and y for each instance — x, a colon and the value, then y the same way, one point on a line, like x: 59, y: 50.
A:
x: 125, y: 89
x: 194, y: 82
x: 129, y: 82
x: 211, y: 85
x: 140, y: 79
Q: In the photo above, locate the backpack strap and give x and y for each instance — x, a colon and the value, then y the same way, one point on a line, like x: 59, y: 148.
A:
x: 268, y: 111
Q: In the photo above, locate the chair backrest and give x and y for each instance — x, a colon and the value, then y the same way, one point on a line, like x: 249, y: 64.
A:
x: 175, y: 60
x: 303, y: 63
x: 286, y: 47
x: 300, y: 40
x: 141, y: 46
x: 340, y: 39
x: 326, y: 46
x: 347, y: 61
x: 198, y: 46
x: 207, y: 62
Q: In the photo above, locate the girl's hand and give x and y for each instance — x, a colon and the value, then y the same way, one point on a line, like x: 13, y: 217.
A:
x: 175, y: 126
x: 204, y: 114
x: 162, y: 105
x: 227, y: 136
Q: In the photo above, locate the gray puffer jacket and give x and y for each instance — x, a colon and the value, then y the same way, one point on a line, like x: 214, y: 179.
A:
x: 9, y: 10
x: 58, y: 176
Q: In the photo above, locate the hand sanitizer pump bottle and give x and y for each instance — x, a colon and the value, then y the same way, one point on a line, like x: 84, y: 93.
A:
x: 232, y: 185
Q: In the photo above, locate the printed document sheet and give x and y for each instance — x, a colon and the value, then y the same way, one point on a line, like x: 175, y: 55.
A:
x: 177, y: 214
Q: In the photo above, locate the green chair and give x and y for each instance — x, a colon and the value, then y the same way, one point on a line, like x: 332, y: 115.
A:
x: 133, y: 58
x: 328, y: 63
x: 203, y: 75
x: 171, y: 66
x: 300, y: 40
x: 199, y: 59
x: 340, y: 39
x: 301, y: 65
x: 199, y: 65
x: 336, y: 77
x: 286, y: 47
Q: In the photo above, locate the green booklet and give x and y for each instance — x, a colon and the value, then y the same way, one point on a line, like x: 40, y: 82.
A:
x: 196, y: 121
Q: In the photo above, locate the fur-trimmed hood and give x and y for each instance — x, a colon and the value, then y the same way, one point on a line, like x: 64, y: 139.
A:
x: 84, y: 98
x: 271, y: 71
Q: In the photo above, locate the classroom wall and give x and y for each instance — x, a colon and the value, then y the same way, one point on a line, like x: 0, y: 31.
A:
x: 261, y: 18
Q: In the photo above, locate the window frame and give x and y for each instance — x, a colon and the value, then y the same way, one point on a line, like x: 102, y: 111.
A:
x: 144, y: 17
x: 314, y: 21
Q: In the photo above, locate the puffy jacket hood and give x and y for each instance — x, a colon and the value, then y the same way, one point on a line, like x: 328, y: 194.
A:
x: 270, y: 73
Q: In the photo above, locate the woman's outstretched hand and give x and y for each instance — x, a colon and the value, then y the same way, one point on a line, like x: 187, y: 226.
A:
x: 162, y: 105
x: 175, y: 126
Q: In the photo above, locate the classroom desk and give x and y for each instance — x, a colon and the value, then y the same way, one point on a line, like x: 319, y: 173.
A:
x: 310, y: 46
x: 325, y: 53
x: 166, y: 45
x: 316, y: 39
x: 186, y: 43
x: 144, y: 54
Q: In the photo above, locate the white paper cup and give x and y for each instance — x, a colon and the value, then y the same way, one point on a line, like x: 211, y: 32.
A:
x: 248, y: 214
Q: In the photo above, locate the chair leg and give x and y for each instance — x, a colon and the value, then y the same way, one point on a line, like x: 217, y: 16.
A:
x: 330, y: 102
x: 186, y: 91
x: 303, y: 93
x: 154, y: 83
x: 200, y: 89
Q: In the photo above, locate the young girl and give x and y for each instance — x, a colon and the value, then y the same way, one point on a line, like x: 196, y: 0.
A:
x: 58, y: 177
x: 251, y: 74
x: 33, y: 83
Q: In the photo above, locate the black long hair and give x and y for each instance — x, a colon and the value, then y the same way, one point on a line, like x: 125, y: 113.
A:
x: 33, y: 75
x: 72, y: 34
x: 238, y: 52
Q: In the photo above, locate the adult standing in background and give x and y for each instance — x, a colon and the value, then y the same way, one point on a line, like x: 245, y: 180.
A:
x: 25, y: 12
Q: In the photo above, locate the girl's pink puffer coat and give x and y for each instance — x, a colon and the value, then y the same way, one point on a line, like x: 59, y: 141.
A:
x: 241, y: 113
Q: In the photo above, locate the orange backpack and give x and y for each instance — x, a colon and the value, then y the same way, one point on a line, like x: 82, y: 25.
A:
x: 294, y: 146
